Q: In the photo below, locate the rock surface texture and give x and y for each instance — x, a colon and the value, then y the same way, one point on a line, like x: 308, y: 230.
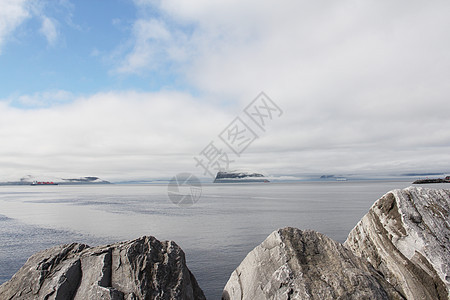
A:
x: 295, y: 264
x: 144, y: 268
x: 406, y: 237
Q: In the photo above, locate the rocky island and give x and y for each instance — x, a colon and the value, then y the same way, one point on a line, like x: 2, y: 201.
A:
x: 239, y: 177
x: 432, y: 180
x: 399, y: 250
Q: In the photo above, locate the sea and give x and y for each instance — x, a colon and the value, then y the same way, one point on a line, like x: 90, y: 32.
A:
x: 216, y: 233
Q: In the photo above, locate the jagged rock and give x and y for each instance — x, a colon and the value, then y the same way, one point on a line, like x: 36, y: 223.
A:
x: 144, y: 268
x: 295, y: 264
x: 406, y: 236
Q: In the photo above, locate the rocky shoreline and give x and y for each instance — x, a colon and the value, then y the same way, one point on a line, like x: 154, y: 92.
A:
x: 399, y: 250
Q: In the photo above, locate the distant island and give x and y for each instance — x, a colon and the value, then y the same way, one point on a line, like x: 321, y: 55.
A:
x: 46, y: 180
x: 333, y: 177
x: 239, y: 177
x: 433, y: 180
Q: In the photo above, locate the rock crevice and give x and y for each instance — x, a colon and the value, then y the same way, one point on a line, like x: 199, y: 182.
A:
x: 305, y: 265
x: 144, y: 268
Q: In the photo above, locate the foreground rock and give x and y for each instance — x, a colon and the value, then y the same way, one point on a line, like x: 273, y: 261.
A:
x: 295, y: 264
x: 144, y: 268
x: 406, y: 237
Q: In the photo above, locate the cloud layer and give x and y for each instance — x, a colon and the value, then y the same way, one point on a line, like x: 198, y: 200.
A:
x: 116, y: 135
x: 363, y: 86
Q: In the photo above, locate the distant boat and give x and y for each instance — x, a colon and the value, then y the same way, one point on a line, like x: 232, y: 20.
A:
x: 43, y: 183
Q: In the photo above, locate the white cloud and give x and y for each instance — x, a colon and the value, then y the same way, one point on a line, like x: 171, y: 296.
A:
x: 49, y: 30
x: 235, y: 41
x: 12, y: 14
x: 364, y: 84
x: 130, y: 135
x: 153, y: 45
x: 42, y: 99
x: 113, y: 135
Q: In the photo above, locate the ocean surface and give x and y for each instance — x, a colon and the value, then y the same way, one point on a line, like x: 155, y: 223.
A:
x: 216, y: 233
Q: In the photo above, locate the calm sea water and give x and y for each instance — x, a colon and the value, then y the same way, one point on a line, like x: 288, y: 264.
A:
x: 216, y: 233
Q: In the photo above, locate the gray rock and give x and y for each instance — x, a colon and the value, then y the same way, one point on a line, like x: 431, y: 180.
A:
x: 295, y: 264
x: 406, y: 236
x: 144, y: 268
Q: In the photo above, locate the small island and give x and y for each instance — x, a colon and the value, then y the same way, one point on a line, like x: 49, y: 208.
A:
x: 433, y: 180
x: 239, y: 177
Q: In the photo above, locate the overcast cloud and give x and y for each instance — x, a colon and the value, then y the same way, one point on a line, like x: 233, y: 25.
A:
x: 363, y: 85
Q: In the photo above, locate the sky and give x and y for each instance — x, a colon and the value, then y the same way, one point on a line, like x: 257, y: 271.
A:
x: 136, y: 90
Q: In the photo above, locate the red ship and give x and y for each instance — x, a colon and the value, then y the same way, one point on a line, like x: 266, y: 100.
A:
x: 43, y: 183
